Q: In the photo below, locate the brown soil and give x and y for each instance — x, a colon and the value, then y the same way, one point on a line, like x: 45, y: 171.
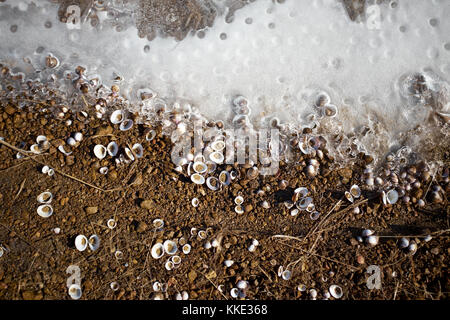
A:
x: 35, y: 260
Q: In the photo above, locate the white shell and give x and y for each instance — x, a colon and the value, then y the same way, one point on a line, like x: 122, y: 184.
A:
x: 252, y: 248
x: 367, y: 232
x: 45, y: 210
x: 150, y: 135
x: 314, y: 215
x: 126, y: 125
x: 195, y: 202
x: 41, y: 139
x: 372, y: 240
x: 234, y: 292
x: 239, y: 200
x: 294, y: 212
x: 117, y: 116
x: 71, y: 141
x: 170, y: 247
x: 186, y: 248
x: 330, y: 110
x: 94, y: 242
x: 158, y: 224
x: 138, y: 150
x: 199, y: 167
x: 114, y: 286
x: 75, y: 291
x: 61, y: 149
x: 242, y: 284
x: 215, y: 243
x: 157, y: 286
x: 185, y: 295
x: 217, y: 157
x: 213, y: 183
x: 103, y: 170
x: 336, y: 291
x: 129, y: 153
x: 286, y: 275
x: 404, y: 242
x: 355, y: 191
x: 412, y: 247
x: 207, y: 245
x: 157, y: 251
x: 169, y: 265
x: 198, y: 178
x: 202, y: 234
x: 391, y: 196
x: 302, y: 191
x: 51, y: 172
x: 303, y: 203
x: 111, y: 223
x: 45, y: 197
x: 81, y: 242
x: 218, y: 145
x: 225, y: 178
x: 112, y: 148
x: 78, y: 136
x: 228, y: 263
x: 45, y: 169
x: 35, y: 149
x: 100, y: 151
x: 238, y: 209
x: 176, y: 259
x: 349, y: 196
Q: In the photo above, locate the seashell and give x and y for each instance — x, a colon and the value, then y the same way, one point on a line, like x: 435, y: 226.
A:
x: 150, y: 135
x: 185, y: 295
x: 45, y: 169
x: 348, y: 196
x: 356, y: 210
x: 336, y: 291
x: 242, y: 284
x: 156, y: 286
x: 129, y: 153
x: 45, y: 210
x: 283, y: 184
x: 391, y: 196
x: 313, y: 293
x: 314, y: 215
x: 170, y: 247
x: 112, y: 148
x: 126, y: 125
x: 100, y: 151
x: 178, y: 296
x: 217, y: 157
x: 367, y: 232
x: 421, y: 203
x: 330, y: 110
x: 412, y: 248
x: 118, y: 254
x: 35, y: 148
x: 71, y: 141
x: 57, y: 230
x: 103, y: 170
x: 265, y: 204
x: 207, y: 245
x: 303, y: 203
x: 301, y: 287
x: 294, y: 212
x: 215, y: 243
x: 252, y: 173
x: 117, y: 116
x: 225, y: 178
x: 428, y: 238
x: 81, y: 242
x: 61, y: 149
x: 111, y: 223
x: 211, y: 166
x: 78, y: 136
x: 228, y: 263
x: 75, y: 291
x: 45, y: 197
x: 310, y: 207
x: 311, y: 171
x: 372, y: 240
x: 213, y: 183
x: 94, y: 242
x: 199, y: 167
x: 255, y: 242
x: 182, y: 241
x: 169, y: 265
x: 404, y: 242
x: 286, y: 275
x: 194, y: 232
x: 288, y: 204
x: 158, y: 224
x: 234, y: 292
x: 252, y: 248
x: 355, y: 191
x: 51, y: 172
x: 114, y: 286
x: 157, y: 251
x: 369, y: 182
x: 175, y: 259
x: 186, y: 248
x: 239, y: 200
x: 1, y: 251
x: 234, y: 174
x: 301, y: 192
x: 138, y: 150
x: 195, y: 202
x: 238, y: 209
x: 218, y: 145
x: 198, y: 178
x: 41, y: 139
x: 378, y: 181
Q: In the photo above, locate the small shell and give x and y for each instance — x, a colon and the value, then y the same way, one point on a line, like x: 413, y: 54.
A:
x: 75, y: 291
x: 100, y: 151
x: 170, y: 247
x: 355, y: 191
x: 218, y: 145
x: 138, y: 150
x: 78, y: 136
x: 111, y: 223
x: 45, y: 197
x: 71, y: 141
x: 225, y: 178
x: 404, y: 242
x: 202, y: 234
x: 126, y: 125
x: 330, y: 111
x: 168, y: 265
x: 185, y: 295
x: 198, y: 178
x: 336, y: 291
x: 114, y: 286
x: 117, y: 116
x: 62, y: 150
x: 294, y: 212
x: 94, y: 242
x: 239, y: 200
x: 151, y: 134
x: 157, y: 251
x: 228, y: 263
x: 158, y: 224
x: 412, y: 248
x: 45, y: 210
x: 129, y: 153
x: 303, y: 203
x: 217, y: 157
x: 213, y: 183
x: 156, y: 286
x: 314, y: 215
x: 45, y: 169
x: 242, y: 284
x: 176, y: 259
x: 286, y: 275
x: 265, y: 204
x: 372, y: 240
x: 252, y: 248
x: 207, y: 245
x: 81, y: 242
x: 186, y: 248
x: 367, y: 232
x: 41, y: 139
x: 195, y: 202
x: 310, y: 207
x: 112, y: 148
x: 200, y: 167
x: 215, y: 243
x: 103, y: 170
x: 35, y: 149
x: 238, y: 209
x: 234, y: 292
x: 51, y: 172
x: 118, y: 254
x: 348, y: 196
x: 391, y: 196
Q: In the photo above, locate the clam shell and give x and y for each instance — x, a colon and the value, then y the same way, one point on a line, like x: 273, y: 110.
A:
x: 63, y: 150
x: 100, y: 151
x: 392, y: 196
x: 195, y: 202
x: 202, y: 234
x: 103, y: 170
x: 157, y: 286
x: 118, y: 254
x: 41, y: 139
x: 150, y: 135
x: 129, y: 154
x: 170, y: 247
x: 367, y: 232
x: 45, y: 169
x: 71, y: 141
x: 198, y: 178
x: 176, y: 259
x: 336, y: 291
x: 94, y: 242
x: 372, y: 240
x: 286, y: 275
x: 111, y: 223
x: 348, y: 196
x: 169, y: 265
x: 157, y: 251
x: 404, y: 243
x: 218, y: 145
x: 217, y: 157
x: 199, y: 167
x: 303, y: 203
x: 126, y: 125
x: 117, y: 116
x: 228, y: 263
x: 242, y: 284
x: 45, y: 197
x: 239, y: 200
x: 234, y: 292
x: 75, y: 291
x: 114, y: 286
x: 158, y: 224
x: 213, y: 183
x: 78, y: 136
x: 81, y: 242
x: 314, y: 215
x: 225, y: 178
x: 186, y: 248
x: 51, y: 172
x: 138, y: 150
x: 294, y: 212
x: 35, y: 148
x: 45, y: 210
x: 355, y: 191
x: 112, y: 148
x: 330, y: 110
x: 238, y: 209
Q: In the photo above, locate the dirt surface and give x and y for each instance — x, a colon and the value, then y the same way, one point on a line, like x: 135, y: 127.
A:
x: 318, y: 253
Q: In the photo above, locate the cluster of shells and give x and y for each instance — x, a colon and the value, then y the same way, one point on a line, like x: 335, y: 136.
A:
x: 82, y: 242
x: 45, y: 209
x: 334, y: 291
x: 302, y: 202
